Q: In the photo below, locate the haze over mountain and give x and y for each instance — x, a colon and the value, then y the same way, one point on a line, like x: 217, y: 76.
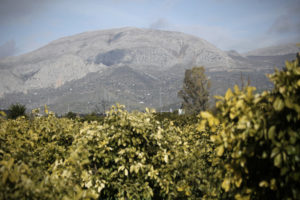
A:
x: 135, y: 67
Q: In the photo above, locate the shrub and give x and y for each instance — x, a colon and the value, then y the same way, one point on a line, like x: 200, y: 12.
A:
x: 128, y: 156
x: 16, y: 110
x: 178, y: 120
x: 93, y: 117
x: 27, y: 150
x: 71, y: 115
x: 258, y: 145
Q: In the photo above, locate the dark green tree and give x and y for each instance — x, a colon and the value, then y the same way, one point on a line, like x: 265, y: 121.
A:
x: 16, y: 110
x: 195, y: 91
x: 71, y: 115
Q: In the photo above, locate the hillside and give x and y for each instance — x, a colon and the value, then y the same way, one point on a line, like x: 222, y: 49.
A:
x: 136, y: 67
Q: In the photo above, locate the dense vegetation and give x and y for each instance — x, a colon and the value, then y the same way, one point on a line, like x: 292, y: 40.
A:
x: 248, y: 150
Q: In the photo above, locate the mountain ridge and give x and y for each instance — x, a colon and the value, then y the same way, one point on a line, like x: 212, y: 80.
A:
x: 116, y: 64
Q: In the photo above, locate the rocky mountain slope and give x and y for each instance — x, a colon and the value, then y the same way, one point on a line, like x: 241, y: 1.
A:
x: 136, y: 67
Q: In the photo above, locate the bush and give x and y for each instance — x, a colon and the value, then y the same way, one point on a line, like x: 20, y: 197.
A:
x: 258, y: 145
x: 16, y: 110
x: 27, y: 150
x: 178, y: 120
x: 129, y: 156
x: 71, y: 115
x: 93, y: 117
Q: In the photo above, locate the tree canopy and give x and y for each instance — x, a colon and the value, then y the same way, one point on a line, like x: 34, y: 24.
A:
x: 195, y: 91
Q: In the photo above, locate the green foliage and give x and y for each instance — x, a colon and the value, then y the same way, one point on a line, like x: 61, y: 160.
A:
x: 195, y: 91
x: 129, y: 156
x: 258, y: 144
x: 27, y: 150
x: 71, y: 115
x: 178, y: 120
x: 16, y: 110
x: 93, y: 117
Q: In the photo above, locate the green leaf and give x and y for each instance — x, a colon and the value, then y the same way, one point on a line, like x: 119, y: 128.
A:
x: 263, y: 184
x: 220, y: 150
x: 271, y: 132
x: 278, y: 104
x: 228, y: 94
x: 226, y: 184
x: 278, y: 160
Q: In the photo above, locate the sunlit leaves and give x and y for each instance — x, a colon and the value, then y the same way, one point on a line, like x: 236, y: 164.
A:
x: 259, y: 139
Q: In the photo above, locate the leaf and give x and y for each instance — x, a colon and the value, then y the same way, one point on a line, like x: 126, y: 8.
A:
x: 219, y: 97
x: 273, y: 184
x: 240, y: 197
x: 46, y: 109
x: 226, y: 184
x: 278, y: 160
x: 263, y: 184
x: 206, y: 115
x: 180, y: 189
x: 4, y: 177
x: 271, y: 132
x: 220, y: 150
x: 3, y: 113
x: 166, y: 158
x: 240, y: 104
x: 121, y: 168
x: 187, y: 193
x: 228, y: 94
x: 275, y: 151
x: 147, y: 110
x: 236, y: 89
x: 278, y: 104
x: 238, y: 182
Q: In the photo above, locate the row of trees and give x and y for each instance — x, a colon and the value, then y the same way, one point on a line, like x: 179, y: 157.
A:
x: 194, y: 94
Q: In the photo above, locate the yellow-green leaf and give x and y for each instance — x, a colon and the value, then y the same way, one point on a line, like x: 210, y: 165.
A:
x: 228, y: 94
x: 3, y: 113
x: 220, y: 150
x: 271, y: 132
x: 278, y: 104
x: 180, y: 189
x: 263, y: 184
x: 278, y: 160
x: 238, y: 182
x: 226, y: 184
x: 46, y: 109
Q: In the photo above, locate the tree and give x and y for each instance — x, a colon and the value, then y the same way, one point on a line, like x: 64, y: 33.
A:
x: 71, y: 115
x: 16, y: 110
x: 195, y: 91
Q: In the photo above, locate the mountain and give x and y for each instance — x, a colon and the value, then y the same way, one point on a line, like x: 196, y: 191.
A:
x: 135, y: 67
x: 274, y: 55
x: 278, y: 50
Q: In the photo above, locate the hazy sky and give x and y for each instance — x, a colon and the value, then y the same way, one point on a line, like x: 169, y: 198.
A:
x: 228, y: 24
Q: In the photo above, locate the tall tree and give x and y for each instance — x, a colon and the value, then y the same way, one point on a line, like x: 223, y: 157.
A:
x: 195, y: 91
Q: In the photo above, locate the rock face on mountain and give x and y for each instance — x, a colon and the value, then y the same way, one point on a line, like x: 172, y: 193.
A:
x: 278, y: 50
x: 275, y: 55
x: 135, y: 67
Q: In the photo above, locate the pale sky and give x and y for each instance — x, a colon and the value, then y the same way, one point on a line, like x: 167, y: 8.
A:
x: 240, y: 25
